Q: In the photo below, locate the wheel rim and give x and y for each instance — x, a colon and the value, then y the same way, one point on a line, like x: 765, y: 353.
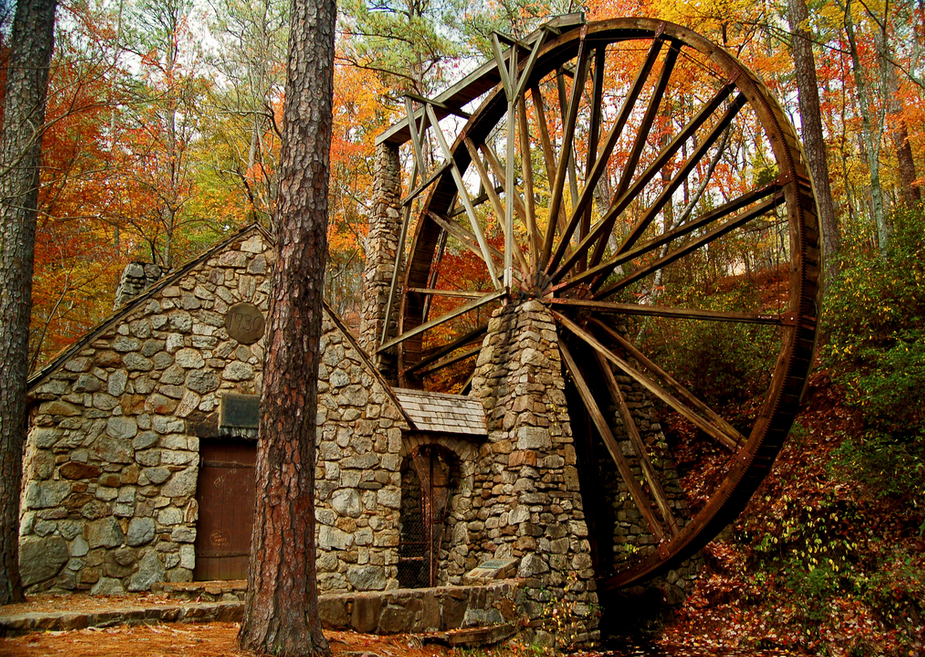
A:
x: 676, y: 126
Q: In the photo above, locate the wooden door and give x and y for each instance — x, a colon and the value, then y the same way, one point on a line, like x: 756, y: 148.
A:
x: 225, y: 493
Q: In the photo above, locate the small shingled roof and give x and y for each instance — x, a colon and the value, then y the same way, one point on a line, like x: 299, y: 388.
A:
x: 434, y: 411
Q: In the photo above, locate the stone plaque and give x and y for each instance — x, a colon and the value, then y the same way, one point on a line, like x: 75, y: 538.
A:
x: 245, y: 322
x: 239, y: 411
x: 492, y: 569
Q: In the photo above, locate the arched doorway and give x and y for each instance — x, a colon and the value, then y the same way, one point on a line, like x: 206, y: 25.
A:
x: 428, y: 476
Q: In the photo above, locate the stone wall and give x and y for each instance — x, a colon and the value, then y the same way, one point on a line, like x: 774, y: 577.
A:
x: 424, y: 610
x: 357, y: 476
x: 111, y: 464
x: 526, y: 501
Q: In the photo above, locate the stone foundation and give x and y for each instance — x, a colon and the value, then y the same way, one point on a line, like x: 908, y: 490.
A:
x: 526, y: 501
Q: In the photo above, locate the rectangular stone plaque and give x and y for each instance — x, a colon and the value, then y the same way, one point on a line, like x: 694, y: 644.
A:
x: 492, y: 569
x: 239, y: 411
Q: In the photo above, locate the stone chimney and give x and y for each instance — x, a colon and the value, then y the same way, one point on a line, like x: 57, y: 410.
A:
x: 136, y: 277
x: 381, y: 246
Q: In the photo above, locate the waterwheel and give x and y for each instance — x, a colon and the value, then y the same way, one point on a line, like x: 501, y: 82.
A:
x: 643, y: 185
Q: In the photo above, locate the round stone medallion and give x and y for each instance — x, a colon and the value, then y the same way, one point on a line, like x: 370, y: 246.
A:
x: 245, y: 322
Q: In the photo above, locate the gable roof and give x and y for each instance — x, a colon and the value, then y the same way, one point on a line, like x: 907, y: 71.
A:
x: 58, y: 361
x: 444, y: 413
x: 421, y: 409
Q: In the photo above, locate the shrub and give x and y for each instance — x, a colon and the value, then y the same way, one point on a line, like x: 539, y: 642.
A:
x: 875, y: 326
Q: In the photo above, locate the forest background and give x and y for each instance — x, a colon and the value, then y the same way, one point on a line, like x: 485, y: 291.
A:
x: 163, y: 135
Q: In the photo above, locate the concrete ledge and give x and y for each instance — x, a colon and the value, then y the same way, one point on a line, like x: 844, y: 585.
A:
x: 201, y: 612
x: 400, y: 611
x: 417, y: 611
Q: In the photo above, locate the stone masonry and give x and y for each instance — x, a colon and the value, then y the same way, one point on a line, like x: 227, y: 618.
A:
x: 526, y: 501
x: 111, y: 466
x: 381, y: 247
x: 357, y: 476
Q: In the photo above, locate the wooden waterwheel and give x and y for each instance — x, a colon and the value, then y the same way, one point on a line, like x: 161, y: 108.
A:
x: 644, y: 185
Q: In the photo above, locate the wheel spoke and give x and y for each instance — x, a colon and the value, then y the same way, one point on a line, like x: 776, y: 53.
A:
x: 426, y: 326
x: 555, y: 201
x: 499, y: 208
x: 676, y: 387
x: 533, y: 237
x: 464, y: 198
x: 446, y: 293
x: 600, y: 163
x: 626, y: 471
x: 564, y: 107
x: 608, y: 307
x: 465, y: 237
x: 655, y: 485
x: 605, y: 268
x: 739, y: 220
x: 685, y: 170
x: 446, y: 362
x: 461, y: 341
x: 498, y: 171
x: 599, y: 232
x: 731, y: 441
x: 414, y: 193
x: 594, y: 129
x: 648, y: 119
x: 539, y: 107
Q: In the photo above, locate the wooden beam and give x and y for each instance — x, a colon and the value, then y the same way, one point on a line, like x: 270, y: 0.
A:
x: 481, y: 80
x: 739, y: 220
x: 462, y: 310
x: 629, y: 423
x: 609, y: 307
x: 600, y: 164
x: 732, y: 442
x: 464, y: 198
x: 676, y: 387
x: 707, y: 218
x: 489, y: 188
x: 623, y: 466
x: 600, y: 231
x: 464, y: 236
x: 568, y: 133
x: 461, y: 341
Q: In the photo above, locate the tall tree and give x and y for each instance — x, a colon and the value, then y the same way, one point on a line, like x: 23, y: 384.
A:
x: 908, y: 190
x: 870, y: 131
x: 20, y: 153
x: 811, y: 123
x: 165, y: 119
x: 281, y: 608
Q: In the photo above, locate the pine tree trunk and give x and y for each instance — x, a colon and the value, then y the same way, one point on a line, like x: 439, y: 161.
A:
x: 20, y: 153
x: 281, y: 608
x: 811, y: 122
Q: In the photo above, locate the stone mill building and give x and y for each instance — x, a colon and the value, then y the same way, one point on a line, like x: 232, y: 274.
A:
x: 139, y: 461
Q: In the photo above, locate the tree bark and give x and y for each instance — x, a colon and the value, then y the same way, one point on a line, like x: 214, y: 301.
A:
x: 896, y: 124
x: 20, y: 154
x: 871, y: 140
x: 281, y: 608
x: 813, y: 139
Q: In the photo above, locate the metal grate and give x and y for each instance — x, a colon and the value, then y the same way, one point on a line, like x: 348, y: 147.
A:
x: 424, y: 495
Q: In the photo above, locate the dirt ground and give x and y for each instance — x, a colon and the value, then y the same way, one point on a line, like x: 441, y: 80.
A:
x: 173, y: 639
x: 192, y: 640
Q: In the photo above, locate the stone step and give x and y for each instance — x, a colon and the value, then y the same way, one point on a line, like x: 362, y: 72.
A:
x: 210, y: 591
x: 57, y: 621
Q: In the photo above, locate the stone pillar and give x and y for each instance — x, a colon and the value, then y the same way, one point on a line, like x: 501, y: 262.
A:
x: 526, y: 501
x: 381, y: 246
x: 136, y: 277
